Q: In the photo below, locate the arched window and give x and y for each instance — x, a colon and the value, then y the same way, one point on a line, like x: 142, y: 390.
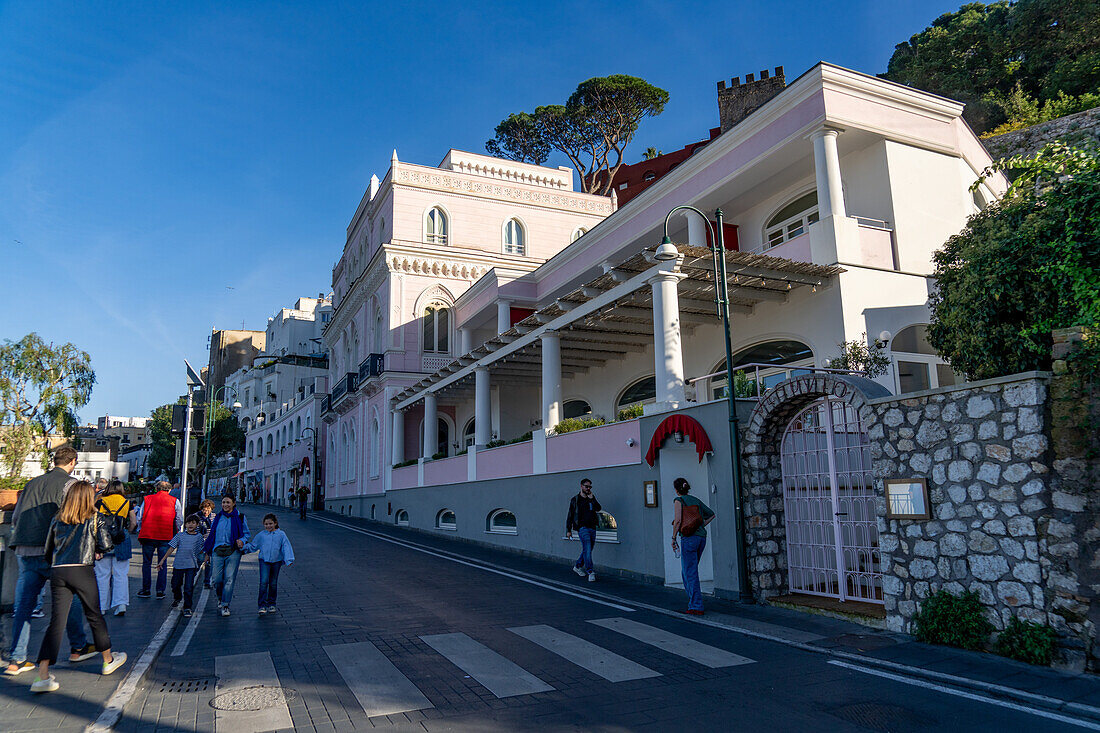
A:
x: 578, y: 233
x: 351, y: 450
x: 251, y: 448
x: 779, y: 360
x: 468, y: 433
x: 436, y: 328
x: 373, y: 448
x: 445, y: 519
x: 298, y: 428
x: 792, y: 220
x: 379, y: 335
x: 372, y: 511
x: 608, y: 529
x: 644, y: 391
x: 917, y: 366
x: 401, y: 519
x: 435, y: 226
x: 514, y: 238
x: 649, y: 176
x: 501, y: 521
x: 269, y: 442
x: 575, y: 408
x: 344, y: 454
x: 444, y: 432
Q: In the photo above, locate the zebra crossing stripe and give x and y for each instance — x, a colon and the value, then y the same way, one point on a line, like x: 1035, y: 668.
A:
x: 377, y: 684
x: 681, y: 646
x: 500, y: 676
x: 595, y: 659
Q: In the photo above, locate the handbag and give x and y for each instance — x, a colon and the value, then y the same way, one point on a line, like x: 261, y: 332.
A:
x: 691, y: 519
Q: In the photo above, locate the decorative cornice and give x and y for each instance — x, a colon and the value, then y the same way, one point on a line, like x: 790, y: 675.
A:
x: 439, y: 180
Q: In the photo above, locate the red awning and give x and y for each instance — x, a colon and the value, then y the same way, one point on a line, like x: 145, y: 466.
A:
x: 305, y: 464
x: 684, y: 425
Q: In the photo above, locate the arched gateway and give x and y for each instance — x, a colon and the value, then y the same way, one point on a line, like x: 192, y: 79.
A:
x: 811, y: 506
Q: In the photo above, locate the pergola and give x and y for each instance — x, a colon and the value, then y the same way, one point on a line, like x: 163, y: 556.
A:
x: 632, y: 305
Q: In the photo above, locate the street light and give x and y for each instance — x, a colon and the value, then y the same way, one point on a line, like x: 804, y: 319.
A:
x: 209, y: 425
x: 314, y: 469
x: 666, y: 252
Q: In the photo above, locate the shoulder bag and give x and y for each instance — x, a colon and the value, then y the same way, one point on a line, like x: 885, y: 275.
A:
x: 691, y: 519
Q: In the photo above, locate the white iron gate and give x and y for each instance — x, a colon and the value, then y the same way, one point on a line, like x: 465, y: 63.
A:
x: 829, y: 505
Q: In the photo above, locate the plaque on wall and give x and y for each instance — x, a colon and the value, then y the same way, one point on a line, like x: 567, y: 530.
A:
x: 650, y: 488
x: 907, y: 498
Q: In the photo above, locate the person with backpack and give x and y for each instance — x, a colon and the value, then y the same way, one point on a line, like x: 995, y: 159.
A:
x: 112, y: 571
x: 161, y: 515
x: 691, y: 516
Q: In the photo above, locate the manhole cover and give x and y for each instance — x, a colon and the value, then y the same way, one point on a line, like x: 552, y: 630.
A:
x: 881, y: 716
x: 864, y: 642
x: 260, y: 697
x: 198, y: 684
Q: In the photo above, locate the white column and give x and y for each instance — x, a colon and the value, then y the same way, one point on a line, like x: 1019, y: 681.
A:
x: 830, y: 193
x: 551, y: 380
x: 465, y: 341
x: 504, y: 315
x: 431, y: 427
x: 398, y: 437
x: 668, y: 358
x: 482, y: 408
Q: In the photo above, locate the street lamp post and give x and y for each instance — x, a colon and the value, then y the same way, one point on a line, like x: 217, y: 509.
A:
x: 209, y: 421
x: 668, y: 251
x: 314, y: 469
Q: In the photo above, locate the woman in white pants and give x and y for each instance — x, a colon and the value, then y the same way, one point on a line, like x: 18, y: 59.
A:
x: 112, y: 571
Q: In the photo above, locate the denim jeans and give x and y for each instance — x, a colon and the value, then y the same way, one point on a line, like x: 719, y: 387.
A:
x: 690, y: 550
x: 148, y: 549
x: 33, y: 574
x: 588, y: 538
x: 183, y: 586
x: 269, y: 582
x: 224, y: 575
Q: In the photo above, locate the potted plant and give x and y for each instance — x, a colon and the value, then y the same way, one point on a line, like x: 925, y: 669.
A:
x: 9, y: 491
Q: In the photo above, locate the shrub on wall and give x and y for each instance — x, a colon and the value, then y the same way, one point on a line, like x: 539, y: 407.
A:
x: 409, y: 462
x: 570, y: 424
x: 945, y: 618
x: 1028, y: 642
x: 630, y: 412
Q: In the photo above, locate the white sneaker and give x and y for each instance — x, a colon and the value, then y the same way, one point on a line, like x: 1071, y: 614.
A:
x: 578, y: 571
x: 225, y: 610
x: 117, y: 660
x: 263, y: 610
x: 591, y: 577
x: 121, y: 610
x: 47, y: 685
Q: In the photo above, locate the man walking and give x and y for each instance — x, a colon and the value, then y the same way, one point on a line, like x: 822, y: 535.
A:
x: 303, y: 495
x: 584, y: 516
x: 160, y: 517
x: 38, y: 502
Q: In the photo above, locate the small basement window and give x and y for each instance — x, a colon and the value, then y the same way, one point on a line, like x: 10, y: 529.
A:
x: 501, y: 521
x: 401, y: 519
x: 446, y: 520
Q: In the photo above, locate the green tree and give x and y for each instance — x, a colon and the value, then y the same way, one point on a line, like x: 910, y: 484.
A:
x: 858, y: 356
x: 41, y: 388
x: 1028, y: 264
x: 592, y: 129
x: 163, y: 455
x: 226, y: 437
x: 651, y: 153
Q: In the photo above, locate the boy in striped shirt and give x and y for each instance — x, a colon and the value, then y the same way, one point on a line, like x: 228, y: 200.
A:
x: 189, y: 559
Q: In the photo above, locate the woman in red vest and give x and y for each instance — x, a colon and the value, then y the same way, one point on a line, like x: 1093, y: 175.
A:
x: 160, y: 518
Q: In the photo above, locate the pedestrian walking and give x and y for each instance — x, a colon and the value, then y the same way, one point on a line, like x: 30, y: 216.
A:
x: 303, y: 495
x: 274, y: 552
x: 206, y: 518
x: 37, y: 505
x: 690, y: 519
x: 228, y: 534
x: 584, y: 516
x: 159, y: 519
x: 112, y: 571
x: 75, y: 539
x: 187, y: 546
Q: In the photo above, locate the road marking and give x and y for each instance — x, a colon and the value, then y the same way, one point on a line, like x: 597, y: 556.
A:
x: 117, y: 702
x: 237, y: 671
x: 582, y: 653
x: 681, y: 646
x: 185, y: 638
x: 377, y: 684
x: 467, y: 563
x: 500, y: 676
x: 1091, y: 725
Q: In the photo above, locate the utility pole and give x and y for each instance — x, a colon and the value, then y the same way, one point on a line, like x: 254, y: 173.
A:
x: 193, y: 380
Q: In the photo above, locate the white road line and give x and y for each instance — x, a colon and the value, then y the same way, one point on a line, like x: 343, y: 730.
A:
x: 467, y: 563
x: 500, y: 676
x: 112, y: 711
x: 971, y: 696
x: 681, y: 646
x: 583, y: 653
x: 377, y: 684
x: 239, y: 671
x: 185, y: 638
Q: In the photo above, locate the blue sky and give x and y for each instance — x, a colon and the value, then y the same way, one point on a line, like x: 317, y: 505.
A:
x: 154, y: 155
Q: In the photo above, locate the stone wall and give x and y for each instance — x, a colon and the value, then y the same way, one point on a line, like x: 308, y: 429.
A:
x: 738, y: 101
x: 1077, y: 129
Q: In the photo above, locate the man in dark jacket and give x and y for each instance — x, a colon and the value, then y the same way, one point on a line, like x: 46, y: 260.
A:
x: 584, y: 516
x: 38, y: 503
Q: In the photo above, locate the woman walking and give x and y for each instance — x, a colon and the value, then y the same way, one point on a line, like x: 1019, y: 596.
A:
x: 112, y: 571
x: 689, y: 522
x: 228, y: 535
x: 76, y: 539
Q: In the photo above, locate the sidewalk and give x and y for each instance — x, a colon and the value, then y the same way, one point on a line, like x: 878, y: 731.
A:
x: 84, y: 691
x: 848, y: 642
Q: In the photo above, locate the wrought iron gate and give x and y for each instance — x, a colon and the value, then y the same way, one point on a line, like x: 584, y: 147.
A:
x: 829, y: 505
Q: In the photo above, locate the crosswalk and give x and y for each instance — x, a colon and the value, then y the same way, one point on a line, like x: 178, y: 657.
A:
x: 381, y: 688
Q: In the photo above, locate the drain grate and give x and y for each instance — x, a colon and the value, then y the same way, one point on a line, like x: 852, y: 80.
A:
x: 196, y: 684
x: 259, y: 697
x: 882, y: 716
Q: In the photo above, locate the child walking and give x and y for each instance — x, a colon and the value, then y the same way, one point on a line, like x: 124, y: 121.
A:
x: 188, y: 542
x: 274, y: 551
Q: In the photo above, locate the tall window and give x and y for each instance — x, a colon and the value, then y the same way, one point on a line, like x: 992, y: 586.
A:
x: 374, y: 449
x: 792, y: 220
x: 514, y: 243
x: 436, y: 328
x: 436, y: 226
